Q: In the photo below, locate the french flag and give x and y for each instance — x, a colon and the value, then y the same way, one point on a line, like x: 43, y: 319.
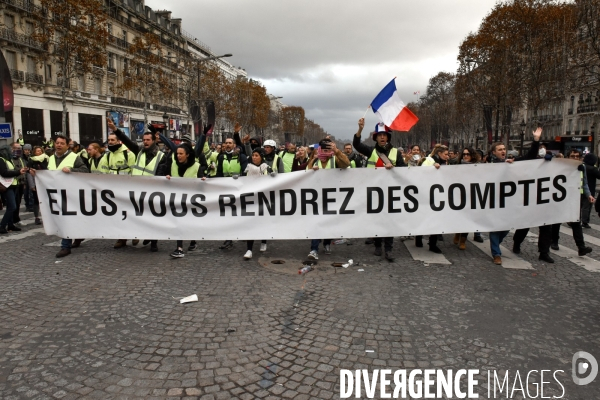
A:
x: 391, y: 109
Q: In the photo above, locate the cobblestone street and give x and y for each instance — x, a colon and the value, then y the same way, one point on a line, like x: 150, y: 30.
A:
x: 105, y: 323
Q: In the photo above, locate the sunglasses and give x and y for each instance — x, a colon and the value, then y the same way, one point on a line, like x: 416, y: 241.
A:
x: 466, y: 154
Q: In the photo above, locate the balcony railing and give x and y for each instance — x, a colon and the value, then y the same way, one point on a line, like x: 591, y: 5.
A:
x: 167, y: 109
x: 17, y: 75
x: 126, y: 102
x: 111, y: 70
x: 19, y: 38
x: 34, y: 78
x: 119, y: 42
x: 588, y: 108
x: 25, y: 5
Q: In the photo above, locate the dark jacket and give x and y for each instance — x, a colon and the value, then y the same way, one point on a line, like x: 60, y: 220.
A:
x: 359, y: 161
x: 591, y: 171
x: 368, y: 150
x: 269, y: 160
x: 164, y: 168
x: 532, y: 154
x: 6, y: 154
x: 299, y: 165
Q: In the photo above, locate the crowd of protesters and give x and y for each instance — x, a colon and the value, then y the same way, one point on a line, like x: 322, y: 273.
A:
x: 241, y: 155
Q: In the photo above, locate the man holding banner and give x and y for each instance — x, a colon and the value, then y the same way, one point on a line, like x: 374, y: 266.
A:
x: 382, y: 155
x: 65, y: 160
x: 498, y: 155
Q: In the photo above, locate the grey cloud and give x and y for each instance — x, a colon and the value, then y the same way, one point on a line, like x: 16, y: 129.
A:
x: 333, y: 56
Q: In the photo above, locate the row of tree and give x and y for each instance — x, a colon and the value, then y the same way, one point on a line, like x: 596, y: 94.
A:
x: 75, y: 35
x: 526, y: 56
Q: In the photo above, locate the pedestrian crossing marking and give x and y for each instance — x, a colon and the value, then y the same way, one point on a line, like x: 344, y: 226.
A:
x: 585, y: 262
x: 509, y: 259
x: 588, y: 238
x: 423, y: 254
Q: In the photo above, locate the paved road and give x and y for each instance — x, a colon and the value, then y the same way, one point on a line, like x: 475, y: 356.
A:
x: 105, y: 323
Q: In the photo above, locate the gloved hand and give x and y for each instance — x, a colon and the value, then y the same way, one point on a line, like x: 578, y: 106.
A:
x: 151, y: 128
x: 548, y: 156
x: 580, y: 168
x: 273, y: 174
x: 207, y: 128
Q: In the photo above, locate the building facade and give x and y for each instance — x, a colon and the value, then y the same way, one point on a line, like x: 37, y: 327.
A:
x: 92, y: 97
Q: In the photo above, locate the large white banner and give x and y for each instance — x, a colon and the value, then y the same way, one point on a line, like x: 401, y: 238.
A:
x: 347, y: 203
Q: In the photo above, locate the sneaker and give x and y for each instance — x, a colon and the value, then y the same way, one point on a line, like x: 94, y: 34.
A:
x: 435, y: 249
x: 3, y: 230
x: 135, y: 242
x: 63, y: 253
x: 120, y: 243
x: 584, y: 250
x: 14, y: 228
x: 248, y: 254
x: 76, y: 243
x: 146, y: 242
x: 192, y: 247
x: 327, y: 249
x: 554, y: 246
x: 38, y: 221
x: 478, y: 239
x: 177, y: 254
x: 263, y: 247
x: 546, y: 257
x: 377, y: 251
x: 389, y: 256
x: 497, y: 260
x: 586, y: 226
x: 313, y: 255
x: 226, y: 244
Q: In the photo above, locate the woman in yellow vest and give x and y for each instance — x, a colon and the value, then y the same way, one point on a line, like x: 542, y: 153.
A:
x: 184, y: 166
x: 8, y: 171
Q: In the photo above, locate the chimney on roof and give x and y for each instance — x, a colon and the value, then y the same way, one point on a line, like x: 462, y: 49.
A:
x: 166, y: 14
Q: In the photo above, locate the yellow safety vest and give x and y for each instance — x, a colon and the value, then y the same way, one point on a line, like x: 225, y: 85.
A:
x: 120, y: 161
x: 231, y: 167
x: 68, y: 161
x: 142, y: 169
x: 10, y: 166
x: 98, y: 169
x: 288, y: 160
x: 191, y: 172
x: 330, y: 164
x: 83, y: 154
x: 375, y: 157
x: 581, y: 176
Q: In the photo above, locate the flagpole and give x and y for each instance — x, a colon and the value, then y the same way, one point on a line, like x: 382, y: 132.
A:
x: 365, y: 114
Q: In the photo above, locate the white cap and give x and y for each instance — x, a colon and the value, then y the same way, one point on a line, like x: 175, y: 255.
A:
x: 270, y: 143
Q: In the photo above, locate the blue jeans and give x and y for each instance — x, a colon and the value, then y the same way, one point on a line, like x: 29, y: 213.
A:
x: 11, y: 206
x: 314, y: 244
x: 66, y: 243
x: 495, y: 239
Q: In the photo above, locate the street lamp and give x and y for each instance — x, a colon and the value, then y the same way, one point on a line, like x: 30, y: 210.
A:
x: 522, y: 125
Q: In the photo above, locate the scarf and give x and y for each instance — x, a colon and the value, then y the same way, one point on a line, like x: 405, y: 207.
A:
x: 324, y: 155
x: 40, y: 158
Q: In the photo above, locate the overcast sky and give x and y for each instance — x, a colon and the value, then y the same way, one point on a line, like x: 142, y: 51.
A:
x: 332, y: 57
